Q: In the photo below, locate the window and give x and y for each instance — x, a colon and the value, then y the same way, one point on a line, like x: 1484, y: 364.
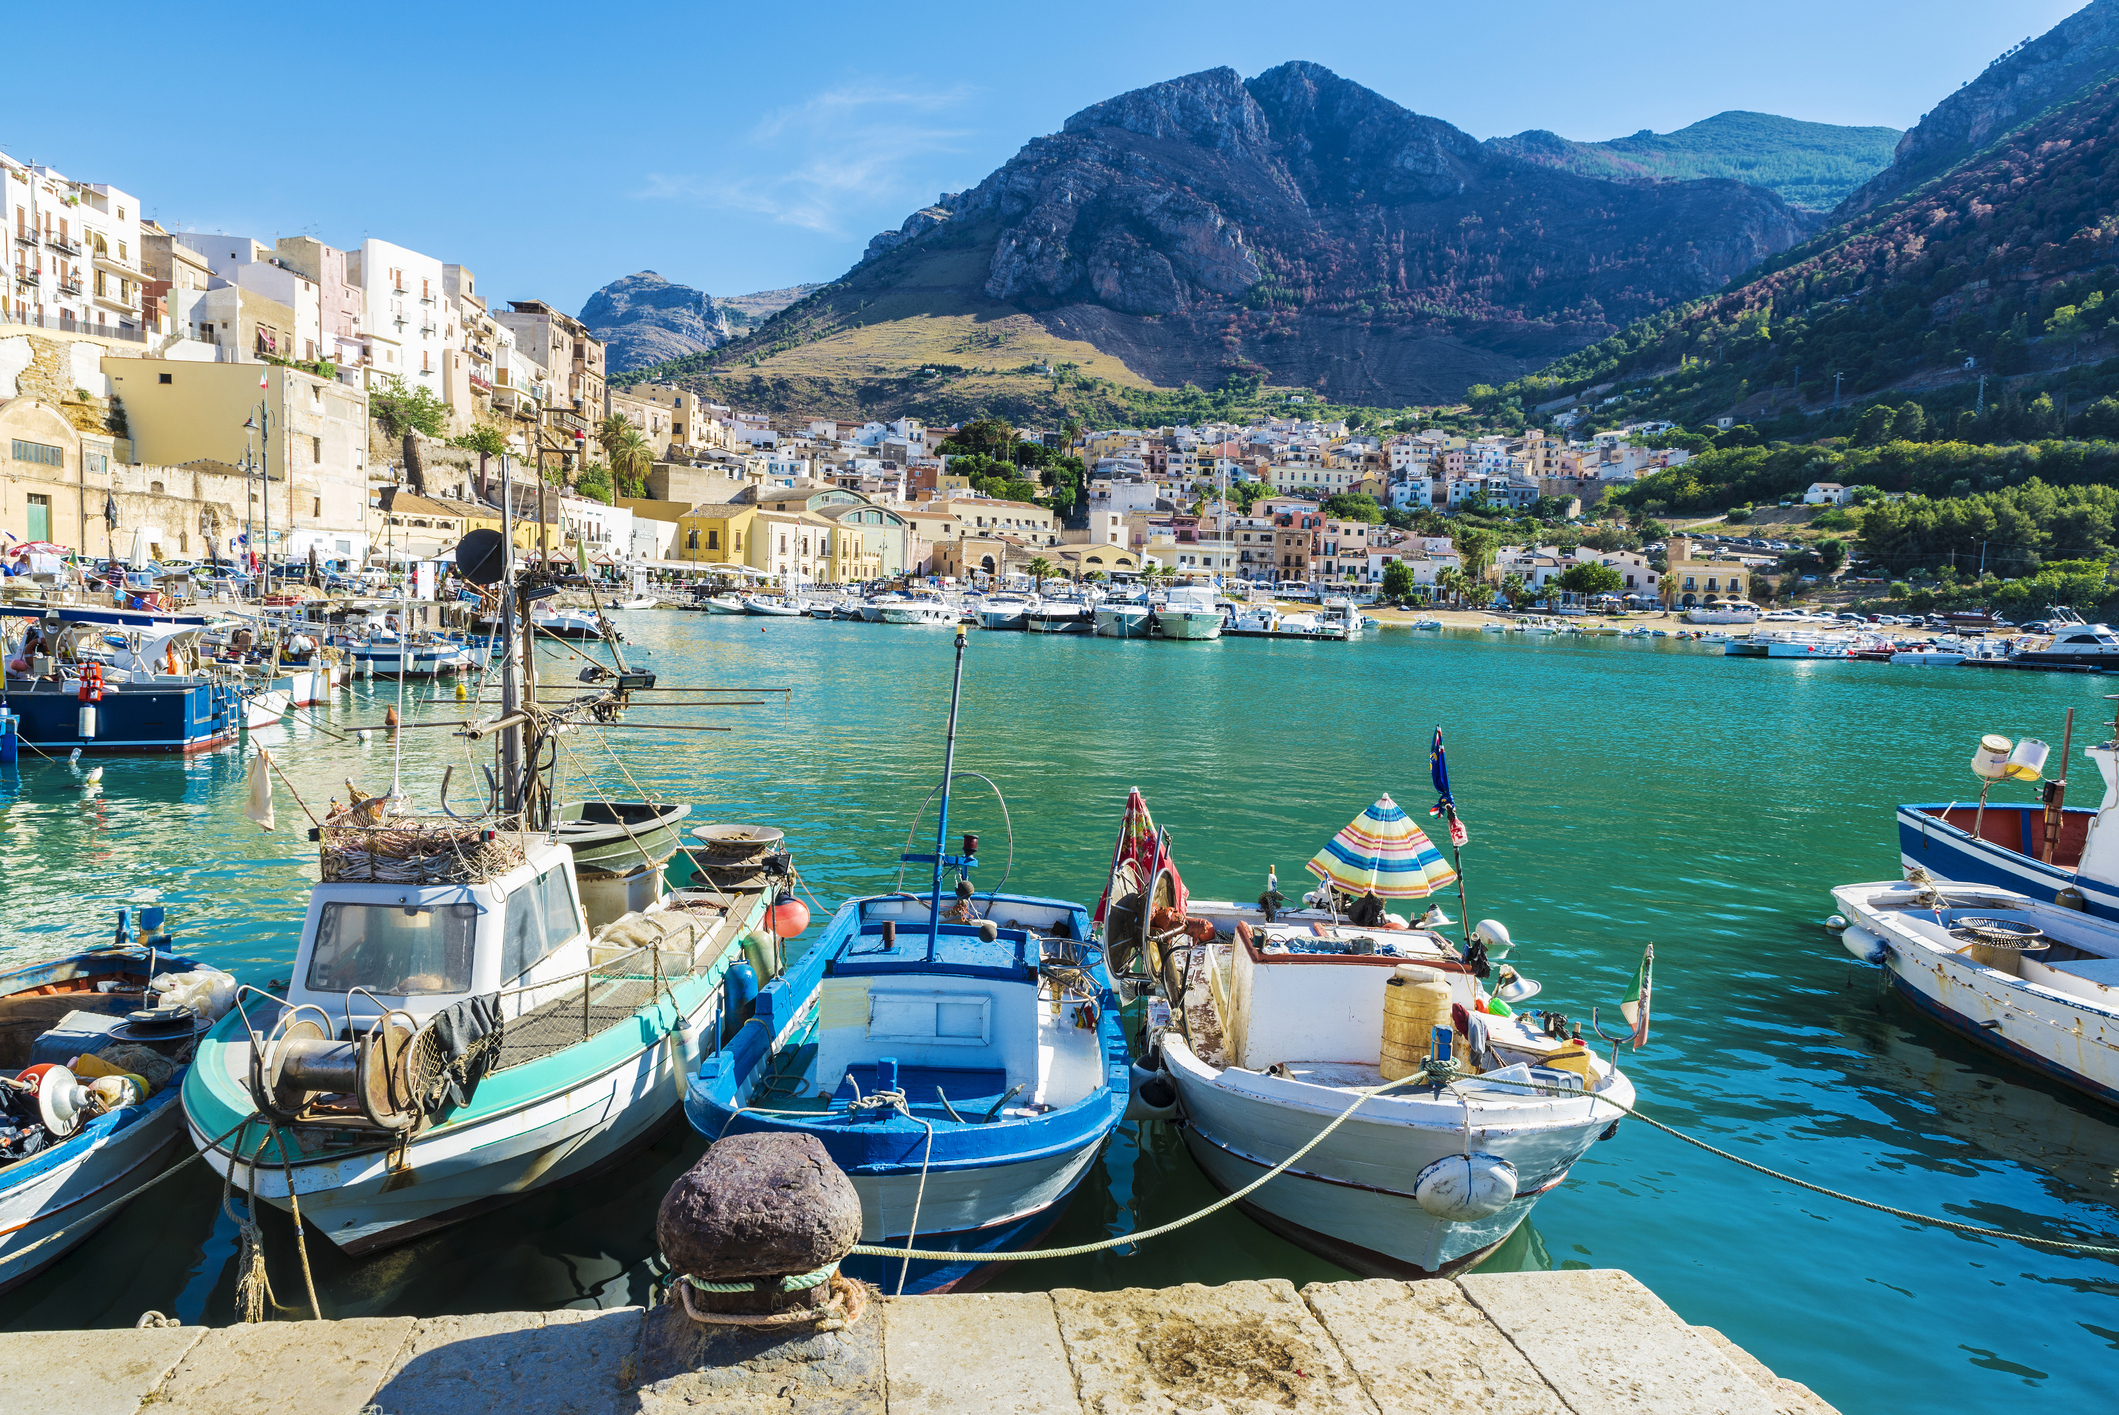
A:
x: 393, y: 950
x: 713, y: 540
x: 316, y: 449
x: 39, y: 452
x: 736, y: 541
x: 541, y: 917
x: 691, y: 541
x: 316, y: 507
x: 154, y: 488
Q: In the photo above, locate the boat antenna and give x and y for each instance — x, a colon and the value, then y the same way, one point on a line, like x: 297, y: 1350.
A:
x: 941, y: 857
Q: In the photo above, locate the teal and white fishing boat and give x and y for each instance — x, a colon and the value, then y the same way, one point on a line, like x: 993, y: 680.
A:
x: 470, y: 1017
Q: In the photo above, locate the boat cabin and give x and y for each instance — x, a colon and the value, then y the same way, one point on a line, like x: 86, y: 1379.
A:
x: 1304, y: 992
x: 962, y: 1020
x: 367, y: 947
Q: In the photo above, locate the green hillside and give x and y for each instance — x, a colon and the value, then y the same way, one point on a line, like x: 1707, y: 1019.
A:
x: 1808, y: 165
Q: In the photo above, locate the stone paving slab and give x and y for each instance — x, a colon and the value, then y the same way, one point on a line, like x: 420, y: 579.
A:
x: 569, y: 1362
x: 683, y: 1367
x: 1609, y: 1345
x: 285, y: 1368
x: 1789, y: 1397
x: 976, y: 1354
x: 1245, y: 1348
x: 87, y: 1373
x: 1422, y: 1347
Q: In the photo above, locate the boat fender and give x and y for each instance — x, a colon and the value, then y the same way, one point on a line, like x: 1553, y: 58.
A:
x: 1836, y: 924
x: 1864, y: 945
x: 2071, y: 898
x: 1610, y: 1131
x: 739, y: 987
x: 688, y: 1035
x: 1459, y: 1188
x: 1152, y: 1099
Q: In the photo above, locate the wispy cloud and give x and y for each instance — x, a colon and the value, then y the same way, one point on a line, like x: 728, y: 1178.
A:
x: 837, y: 155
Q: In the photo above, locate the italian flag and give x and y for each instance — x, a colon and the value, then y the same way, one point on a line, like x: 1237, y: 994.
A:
x: 1635, y: 1007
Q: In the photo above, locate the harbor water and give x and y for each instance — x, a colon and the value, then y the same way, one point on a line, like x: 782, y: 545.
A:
x: 1618, y: 792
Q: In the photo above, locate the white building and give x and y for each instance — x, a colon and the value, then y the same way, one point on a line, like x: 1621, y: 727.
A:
x: 406, y: 323
x: 76, y: 253
x: 597, y: 528
x: 251, y: 265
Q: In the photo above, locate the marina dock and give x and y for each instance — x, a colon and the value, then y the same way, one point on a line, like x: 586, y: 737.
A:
x: 1582, y: 1341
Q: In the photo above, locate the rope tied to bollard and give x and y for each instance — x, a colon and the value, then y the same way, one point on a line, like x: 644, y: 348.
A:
x: 849, y: 1299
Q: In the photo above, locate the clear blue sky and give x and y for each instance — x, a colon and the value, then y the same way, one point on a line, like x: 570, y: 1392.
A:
x: 552, y: 148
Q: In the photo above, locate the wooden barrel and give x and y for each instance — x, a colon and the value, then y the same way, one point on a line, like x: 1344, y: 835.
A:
x: 1415, y: 1002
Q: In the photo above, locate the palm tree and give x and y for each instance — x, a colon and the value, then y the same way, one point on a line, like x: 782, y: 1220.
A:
x: 1040, y: 570
x: 1449, y: 580
x: 632, y: 456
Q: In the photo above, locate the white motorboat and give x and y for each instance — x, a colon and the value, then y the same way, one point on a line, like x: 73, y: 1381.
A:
x: 922, y: 613
x: 1787, y: 643
x: 385, y: 653
x: 1342, y: 611
x: 872, y: 608
x: 1939, y: 654
x: 1437, y: 623
x: 2070, y: 643
x: 2035, y: 981
x: 549, y: 619
x: 773, y: 608
x: 1005, y: 610
x: 1189, y: 612
x: 725, y: 604
x: 645, y: 601
x: 1061, y: 616
x: 1131, y: 617
x: 1311, y: 625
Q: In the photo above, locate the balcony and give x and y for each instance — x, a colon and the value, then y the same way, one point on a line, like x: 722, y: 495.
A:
x: 111, y: 262
x: 68, y: 244
x: 27, y: 277
x: 480, y: 384
x: 25, y: 237
x: 69, y: 284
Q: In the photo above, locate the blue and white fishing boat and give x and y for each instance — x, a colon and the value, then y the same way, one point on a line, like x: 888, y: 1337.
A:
x: 149, y: 694
x: 73, y: 1141
x: 959, y: 1056
x: 2044, y: 849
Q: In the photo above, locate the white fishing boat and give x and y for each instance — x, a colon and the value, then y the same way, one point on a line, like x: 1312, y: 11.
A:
x: 2037, y: 982
x: 1279, y: 1024
x: 264, y: 705
x: 1188, y: 612
x: 447, y: 1045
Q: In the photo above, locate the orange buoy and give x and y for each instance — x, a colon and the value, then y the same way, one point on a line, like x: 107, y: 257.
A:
x: 788, y: 917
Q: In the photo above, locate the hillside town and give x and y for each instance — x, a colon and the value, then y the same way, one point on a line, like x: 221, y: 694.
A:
x: 203, y: 397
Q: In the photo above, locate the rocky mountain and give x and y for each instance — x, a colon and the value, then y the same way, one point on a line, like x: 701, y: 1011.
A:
x: 644, y: 319
x: 2082, y: 49
x: 2003, y: 265
x: 740, y: 312
x: 1296, y: 227
x: 1811, y: 166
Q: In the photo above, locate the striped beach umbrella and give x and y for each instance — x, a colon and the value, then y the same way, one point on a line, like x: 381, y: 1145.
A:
x: 1383, y: 853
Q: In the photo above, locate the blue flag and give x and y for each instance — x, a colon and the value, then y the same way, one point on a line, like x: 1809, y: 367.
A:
x: 1445, y: 804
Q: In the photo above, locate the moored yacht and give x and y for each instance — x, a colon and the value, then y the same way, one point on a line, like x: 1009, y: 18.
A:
x: 1189, y: 612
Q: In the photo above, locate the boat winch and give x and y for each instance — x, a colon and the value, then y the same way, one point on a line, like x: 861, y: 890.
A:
x: 302, y: 1073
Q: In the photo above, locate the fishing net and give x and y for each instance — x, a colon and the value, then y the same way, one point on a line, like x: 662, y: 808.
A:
x: 411, y: 850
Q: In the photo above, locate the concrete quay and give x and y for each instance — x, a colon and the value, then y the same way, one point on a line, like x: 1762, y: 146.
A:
x: 1586, y: 1342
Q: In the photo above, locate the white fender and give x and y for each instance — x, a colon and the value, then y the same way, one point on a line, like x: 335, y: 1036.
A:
x: 1464, y: 1187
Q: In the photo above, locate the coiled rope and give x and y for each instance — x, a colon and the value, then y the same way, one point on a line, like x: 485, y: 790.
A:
x: 800, y: 1282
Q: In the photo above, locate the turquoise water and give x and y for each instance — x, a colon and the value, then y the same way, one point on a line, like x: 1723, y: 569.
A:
x: 1617, y: 792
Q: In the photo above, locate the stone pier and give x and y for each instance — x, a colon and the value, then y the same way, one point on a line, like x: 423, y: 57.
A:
x: 1586, y: 1342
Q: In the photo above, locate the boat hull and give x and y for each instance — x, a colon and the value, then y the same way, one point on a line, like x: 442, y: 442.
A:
x: 69, y: 1181
x: 1350, y: 1199
x: 1059, y: 623
x: 1000, y: 619
x: 1947, y: 851
x: 193, y: 717
x: 1124, y: 623
x: 1191, y: 627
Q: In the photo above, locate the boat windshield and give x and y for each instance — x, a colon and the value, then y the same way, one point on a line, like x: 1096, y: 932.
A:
x: 394, y: 950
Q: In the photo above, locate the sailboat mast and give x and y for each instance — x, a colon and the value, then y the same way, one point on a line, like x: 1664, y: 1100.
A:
x: 941, y: 820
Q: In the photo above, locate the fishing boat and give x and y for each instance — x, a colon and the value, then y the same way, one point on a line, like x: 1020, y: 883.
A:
x: 958, y: 1055
x: 93, y: 1048
x: 618, y: 835
x: 2032, y: 980
x: 2045, y: 849
x: 383, y: 652
x: 463, y: 1024
x: 1278, y: 1024
x: 79, y: 692
x: 1188, y: 612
